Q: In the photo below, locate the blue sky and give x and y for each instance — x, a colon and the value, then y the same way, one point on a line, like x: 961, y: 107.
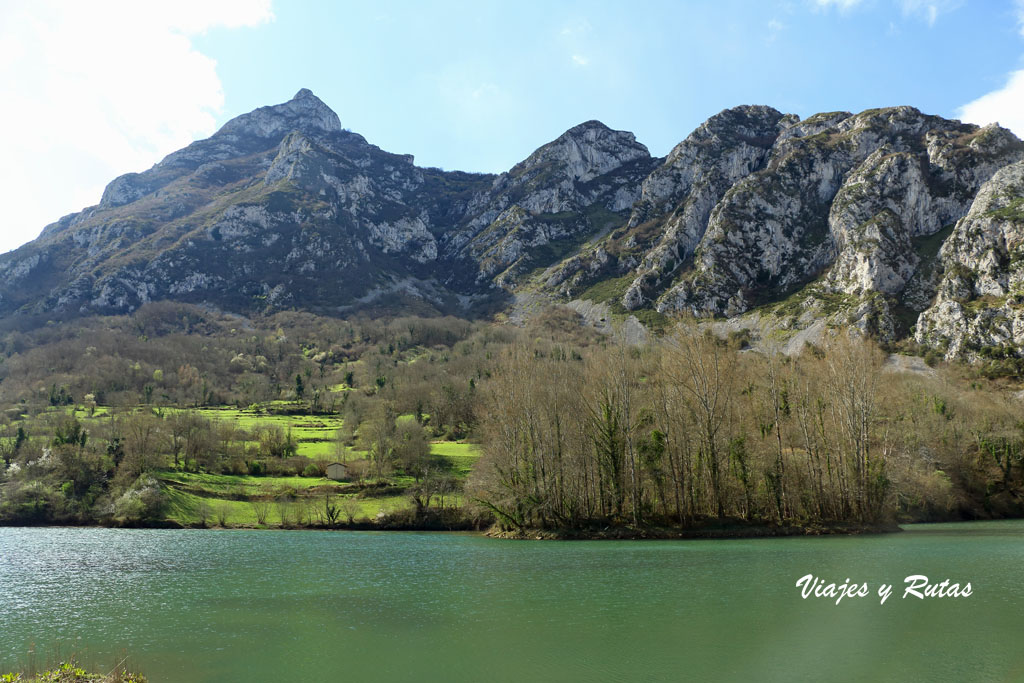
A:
x: 475, y: 86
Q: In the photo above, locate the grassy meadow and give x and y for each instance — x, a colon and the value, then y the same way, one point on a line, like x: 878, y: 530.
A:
x: 207, y: 499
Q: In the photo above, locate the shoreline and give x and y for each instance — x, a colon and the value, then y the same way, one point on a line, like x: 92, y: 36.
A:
x: 702, y: 531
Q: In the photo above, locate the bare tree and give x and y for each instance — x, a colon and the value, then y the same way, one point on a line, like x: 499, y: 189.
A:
x: 350, y: 508
x: 703, y: 368
x: 261, y: 508
x: 854, y: 369
x: 223, y: 512
x: 377, y: 437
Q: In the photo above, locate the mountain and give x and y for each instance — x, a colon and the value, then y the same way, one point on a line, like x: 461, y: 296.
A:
x: 902, y: 224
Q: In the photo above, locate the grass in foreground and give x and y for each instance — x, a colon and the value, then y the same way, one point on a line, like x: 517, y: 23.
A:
x: 70, y: 672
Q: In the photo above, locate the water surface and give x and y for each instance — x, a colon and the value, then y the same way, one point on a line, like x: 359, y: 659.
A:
x: 324, y: 606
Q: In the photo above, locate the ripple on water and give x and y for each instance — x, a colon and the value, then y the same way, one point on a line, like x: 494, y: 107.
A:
x: 208, y: 606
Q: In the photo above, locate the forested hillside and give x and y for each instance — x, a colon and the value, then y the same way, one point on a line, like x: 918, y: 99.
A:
x: 179, y: 415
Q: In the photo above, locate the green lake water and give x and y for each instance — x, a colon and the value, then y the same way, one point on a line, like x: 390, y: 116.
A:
x: 360, y: 606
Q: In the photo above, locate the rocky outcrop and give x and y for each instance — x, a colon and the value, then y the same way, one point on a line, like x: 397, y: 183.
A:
x: 683, y: 191
x: 281, y: 207
x: 979, y: 306
x: 850, y: 201
x: 772, y: 231
x: 239, y: 137
x: 569, y: 189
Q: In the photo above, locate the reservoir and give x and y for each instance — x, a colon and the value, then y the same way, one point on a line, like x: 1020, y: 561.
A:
x: 190, y: 605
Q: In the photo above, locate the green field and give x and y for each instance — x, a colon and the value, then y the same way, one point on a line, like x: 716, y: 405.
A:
x: 233, y: 497
x: 302, y: 426
x: 195, y: 495
x: 460, y: 455
x: 315, y: 436
x: 197, y: 498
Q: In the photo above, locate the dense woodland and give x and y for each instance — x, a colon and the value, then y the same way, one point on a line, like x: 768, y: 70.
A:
x: 688, y: 429
x: 103, y: 416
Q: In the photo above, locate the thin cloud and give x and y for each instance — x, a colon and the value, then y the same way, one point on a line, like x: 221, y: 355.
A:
x: 929, y: 10
x: 94, y: 90
x: 841, y: 5
x: 485, y: 90
x: 577, y: 42
x: 474, y: 97
x: 577, y: 28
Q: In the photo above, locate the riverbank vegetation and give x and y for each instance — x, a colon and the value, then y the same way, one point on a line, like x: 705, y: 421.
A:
x: 71, y: 672
x: 180, y: 416
x: 688, y: 430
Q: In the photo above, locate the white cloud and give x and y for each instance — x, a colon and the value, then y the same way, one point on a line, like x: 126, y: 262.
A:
x: 1005, y: 106
x: 97, y: 89
x: 841, y: 5
x: 1019, y: 6
x: 774, y: 29
x: 578, y: 43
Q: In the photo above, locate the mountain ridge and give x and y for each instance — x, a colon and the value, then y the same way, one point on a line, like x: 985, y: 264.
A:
x: 757, y: 216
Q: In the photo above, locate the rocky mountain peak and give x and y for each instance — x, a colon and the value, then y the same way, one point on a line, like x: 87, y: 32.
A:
x: 756, y: 125
x: 581, y: 129
x: 682, y: 192
x: 254, y: 132
x: 305, y: 112
x: 586, y: 151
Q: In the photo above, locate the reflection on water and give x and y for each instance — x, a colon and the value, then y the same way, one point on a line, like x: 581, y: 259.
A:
x: 262, y: 605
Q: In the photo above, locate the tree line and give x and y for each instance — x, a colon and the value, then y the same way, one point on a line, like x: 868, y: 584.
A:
x: 576, y: 429
x: 687, y: 429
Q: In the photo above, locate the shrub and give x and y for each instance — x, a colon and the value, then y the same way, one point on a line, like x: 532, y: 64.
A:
x: 739, y: 339
x: 143, y: 500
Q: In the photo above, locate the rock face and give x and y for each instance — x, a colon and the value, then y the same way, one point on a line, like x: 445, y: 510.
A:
x: 979, y: 307
x: 566, y: 190
x: 835, y: 219
x: 848, y: 197
x: 692, y: 181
